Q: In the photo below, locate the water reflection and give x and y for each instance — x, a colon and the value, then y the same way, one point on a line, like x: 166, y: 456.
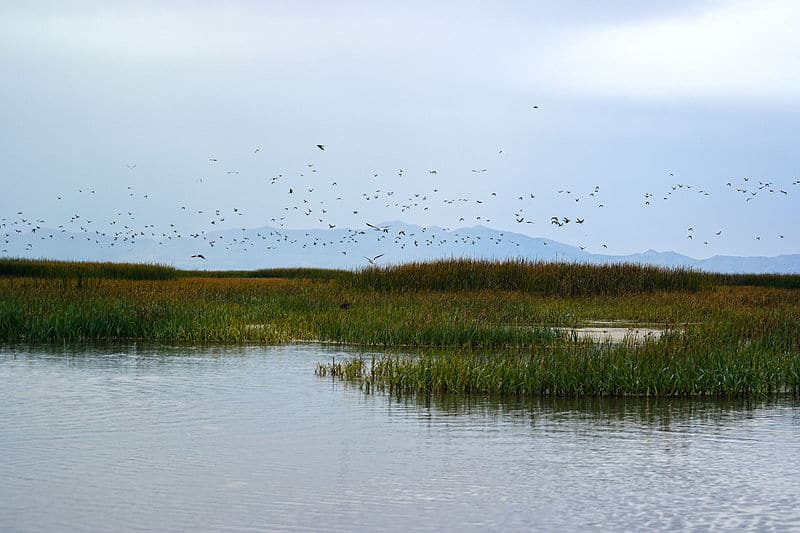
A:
x: 663, y: 414
x: 121, y: 437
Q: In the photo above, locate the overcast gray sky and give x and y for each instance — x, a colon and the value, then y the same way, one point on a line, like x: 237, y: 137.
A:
x: 636, y: 98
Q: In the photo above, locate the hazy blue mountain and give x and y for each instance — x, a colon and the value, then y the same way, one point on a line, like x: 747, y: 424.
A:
x: 266, y: 247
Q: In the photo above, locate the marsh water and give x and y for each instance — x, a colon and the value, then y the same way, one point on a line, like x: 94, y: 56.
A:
x: 122, y: 438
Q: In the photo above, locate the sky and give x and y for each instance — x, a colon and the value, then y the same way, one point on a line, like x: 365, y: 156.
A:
x: 176, y: 114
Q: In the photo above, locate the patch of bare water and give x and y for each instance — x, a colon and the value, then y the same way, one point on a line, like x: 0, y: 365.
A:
x: 245, y: 438
x: 616, y: 331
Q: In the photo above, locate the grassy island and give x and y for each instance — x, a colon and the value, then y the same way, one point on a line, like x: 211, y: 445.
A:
x: 476, y: 327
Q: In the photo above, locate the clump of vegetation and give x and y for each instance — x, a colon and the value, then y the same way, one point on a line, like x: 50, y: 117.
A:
x: 487, y: 333
x: 778, y: 281
x: 565, y: 279
x: 671, y: 367
x: 32, y: 268
x: 319, y: 274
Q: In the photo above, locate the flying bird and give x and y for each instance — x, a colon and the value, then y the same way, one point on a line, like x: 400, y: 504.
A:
x: 199, y: 256
x: 384, y: 229
x: 321, y: 147
x: 372, y: 261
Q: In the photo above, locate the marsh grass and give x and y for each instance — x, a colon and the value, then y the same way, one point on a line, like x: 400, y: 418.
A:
x: 488, y: 339
x: 582, y: 369
x: 318, y: 274
x: 564, y: 279
x: 777, y: 281
x: 34, y: 268
x: 10, y: 267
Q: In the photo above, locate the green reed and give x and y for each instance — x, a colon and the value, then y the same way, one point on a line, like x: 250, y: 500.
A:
x: 565, y: 279
x: 274, y: 310
x: 582, y: 369
x: 10, y: 267
x: 318, y: 274
x: 778, y: 281
x: 723, y: 340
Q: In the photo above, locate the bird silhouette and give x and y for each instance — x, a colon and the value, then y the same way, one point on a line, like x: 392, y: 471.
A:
x: 384, y: 229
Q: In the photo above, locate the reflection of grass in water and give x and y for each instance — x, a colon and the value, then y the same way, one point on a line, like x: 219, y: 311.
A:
x: 723, y: 340
x: 655, y: 412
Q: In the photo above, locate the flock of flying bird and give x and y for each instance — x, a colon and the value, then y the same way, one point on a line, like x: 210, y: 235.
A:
x: 302, y: 203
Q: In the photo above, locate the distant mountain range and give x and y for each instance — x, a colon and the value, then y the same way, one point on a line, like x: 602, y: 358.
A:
x: 268, y: 247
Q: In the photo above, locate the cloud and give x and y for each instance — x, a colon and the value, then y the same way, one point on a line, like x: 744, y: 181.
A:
x: 743, y: 51
x: 721, y: 51
x: 149, y: 33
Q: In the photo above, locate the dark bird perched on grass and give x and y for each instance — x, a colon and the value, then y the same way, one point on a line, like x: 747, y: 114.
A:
x: 344, y: 305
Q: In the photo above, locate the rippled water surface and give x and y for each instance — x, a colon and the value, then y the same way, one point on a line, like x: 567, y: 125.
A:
x: 249, y: 439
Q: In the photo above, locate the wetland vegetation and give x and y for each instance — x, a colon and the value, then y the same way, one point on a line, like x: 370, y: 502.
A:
x: 466, y: 327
